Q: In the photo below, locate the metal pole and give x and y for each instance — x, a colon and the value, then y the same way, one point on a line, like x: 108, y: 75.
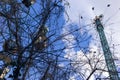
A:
x: 107, y: 53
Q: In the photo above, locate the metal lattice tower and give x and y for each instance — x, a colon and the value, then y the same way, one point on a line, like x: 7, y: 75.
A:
x: 107, y: 53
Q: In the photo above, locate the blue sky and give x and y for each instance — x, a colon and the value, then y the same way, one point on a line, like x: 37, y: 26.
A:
x: 111, y: 22
x: 83, y: 8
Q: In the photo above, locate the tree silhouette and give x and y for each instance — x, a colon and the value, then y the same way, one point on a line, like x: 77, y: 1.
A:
x: 26, y: 44
x: 34, y: 44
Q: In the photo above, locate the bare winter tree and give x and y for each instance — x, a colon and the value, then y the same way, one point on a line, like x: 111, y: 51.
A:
x: 34, y: 45
x: 85, y: 60
x: 31, y: 41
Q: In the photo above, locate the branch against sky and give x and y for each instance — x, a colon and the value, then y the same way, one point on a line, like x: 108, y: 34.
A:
x: 21, y: 30
x: 85, y: 12
x: 21, y: 27
x: 64, y: 52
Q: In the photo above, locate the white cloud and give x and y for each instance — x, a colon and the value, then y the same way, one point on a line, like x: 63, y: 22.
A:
x: 111, y: 18
x: 111, y: 23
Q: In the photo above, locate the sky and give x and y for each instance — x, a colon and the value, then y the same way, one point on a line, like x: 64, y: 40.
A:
x: 110, y: 21
x: 83, y: 8
x: 83, y: 12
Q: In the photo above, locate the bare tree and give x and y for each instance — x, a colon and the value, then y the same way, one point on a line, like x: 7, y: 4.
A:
x: 86, y: 60
x: 35, y: 44
x: 29, y: 48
